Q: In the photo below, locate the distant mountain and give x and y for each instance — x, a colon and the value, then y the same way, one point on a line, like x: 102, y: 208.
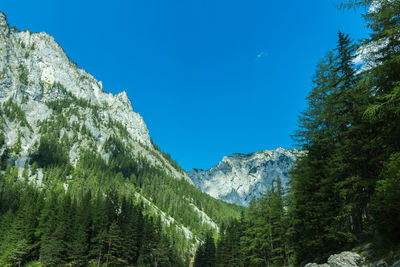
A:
x: 240, y: 177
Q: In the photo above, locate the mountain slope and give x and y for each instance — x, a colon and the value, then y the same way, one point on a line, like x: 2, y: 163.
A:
x: 35, y: 70
x: 240, y: 177
x: 61, y: 132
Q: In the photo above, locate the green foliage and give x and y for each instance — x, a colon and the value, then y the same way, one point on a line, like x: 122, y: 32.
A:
x: 205, y: 255
x: 386, y: 201
x: 262, y: 237
x: 2, y: 139
x: 23, y: 74
x: 168, y: 157
x: 50, y: 153
x: 32, y: 47
x: 317, y: 177
x: 114, y: 242
x: 75, y: 227
x: 344, y: 190
x: 56, y: 229
x: 169, y: 194
x: 229, y: 251
x: 122, y: 131
x: 14, y: 112
x: 67, y: 101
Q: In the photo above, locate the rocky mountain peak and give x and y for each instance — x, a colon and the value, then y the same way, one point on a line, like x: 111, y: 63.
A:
x: 123, y: 98
x: 240, y: 177
x: 44, y: 85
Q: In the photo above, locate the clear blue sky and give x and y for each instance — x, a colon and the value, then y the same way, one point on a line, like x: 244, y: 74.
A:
x: 209, y: 77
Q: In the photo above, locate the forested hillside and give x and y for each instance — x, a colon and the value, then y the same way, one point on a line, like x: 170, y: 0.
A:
x: 345, y: 191
x: 81, y: 182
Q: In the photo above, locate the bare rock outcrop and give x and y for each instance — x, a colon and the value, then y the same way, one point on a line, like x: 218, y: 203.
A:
x: 343, y: 259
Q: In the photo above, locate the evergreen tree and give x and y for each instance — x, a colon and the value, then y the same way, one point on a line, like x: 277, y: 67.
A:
x: 114, y: 243
x: 137, y: 232
x: 386, y: 201
x: 228, y: 252
x: 199, y: 260
x: 381, y: 78
x: 205, y: 254
x: 99, y: 228
x: 51, y: 245
x: 314, y: 201
x: 19, y: 253
x: 331, y: 185
x: 146, y: 254
x: 209, y: 251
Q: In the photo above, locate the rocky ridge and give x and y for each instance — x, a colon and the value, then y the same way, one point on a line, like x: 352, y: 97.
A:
x: 35, y: 70
x: 42, y: 91
x: 240, y: 177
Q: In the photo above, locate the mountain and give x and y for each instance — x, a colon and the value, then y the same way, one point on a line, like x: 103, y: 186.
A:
x: 74, y: 146
x: 240, y: 177
x: 35, y: 71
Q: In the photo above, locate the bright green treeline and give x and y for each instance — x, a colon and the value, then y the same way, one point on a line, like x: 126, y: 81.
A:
x: 345, y: 189
x: 351, y: 132
x: 92, y: 213
x: 205, y: 255
x: 261, y: 237
x: 105, y: 209
x: 98, y: 228
x: 171, y: 195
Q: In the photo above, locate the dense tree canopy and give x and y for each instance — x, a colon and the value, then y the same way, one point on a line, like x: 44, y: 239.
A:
x: 344, y: 190
x: 113, y: 210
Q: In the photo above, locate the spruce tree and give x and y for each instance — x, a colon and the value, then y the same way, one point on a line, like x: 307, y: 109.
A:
x: 381, y: 78
x: 314, y: 200
x: 114, y: 244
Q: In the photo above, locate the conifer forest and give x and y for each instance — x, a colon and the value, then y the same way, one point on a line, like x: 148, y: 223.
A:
x: 90, y: 194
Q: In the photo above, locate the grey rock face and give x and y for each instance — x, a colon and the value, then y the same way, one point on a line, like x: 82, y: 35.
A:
x: 3, y: 24
x: 345, y: 259
x: 316, y: 265
x: 240, y: 177
x: 35, y: 71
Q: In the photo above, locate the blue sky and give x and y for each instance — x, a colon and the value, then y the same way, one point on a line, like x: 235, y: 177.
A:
x: 209, y: 77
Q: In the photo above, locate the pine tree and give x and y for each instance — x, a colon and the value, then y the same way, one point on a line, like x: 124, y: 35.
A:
x: 209, y: 250
x: 278, y: 228
x: 99, y: 228
x: 205, y: 254
x: 114, y: 244
x: 19, y: 236
x: 19, y: 253
x: 52, y: 247
x: 386, y: 201
x: 314, y: 201
x: 137, y: 232
x: 148, y: 242
x: 78, y: 248
x: 381, y: 78
x: 199, y: 260
x: 221, y: 250
x: 228, y: 252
